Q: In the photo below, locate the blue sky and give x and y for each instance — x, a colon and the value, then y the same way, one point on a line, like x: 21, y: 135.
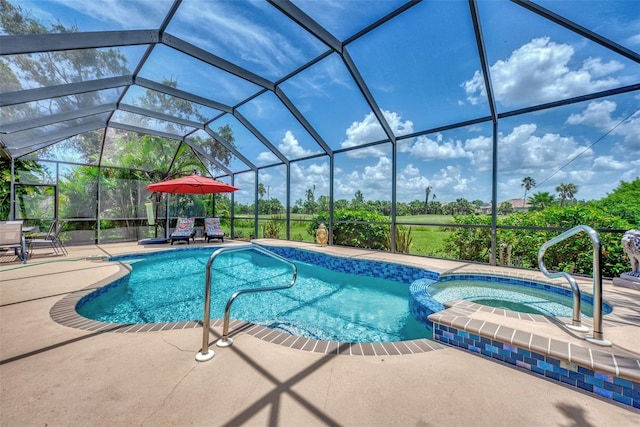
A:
x: 423, y: 71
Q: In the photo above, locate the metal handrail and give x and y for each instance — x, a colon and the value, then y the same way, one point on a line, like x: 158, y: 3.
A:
x: 598, y: 337
x: 206, y: 354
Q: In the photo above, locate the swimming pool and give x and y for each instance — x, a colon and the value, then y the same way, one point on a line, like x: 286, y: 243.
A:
x: 508, y: 293
x: 327, y: 302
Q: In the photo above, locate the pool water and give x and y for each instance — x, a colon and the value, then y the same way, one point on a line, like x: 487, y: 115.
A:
x: 509, y: 305
x: 323, y: 304
x: 552, y: 301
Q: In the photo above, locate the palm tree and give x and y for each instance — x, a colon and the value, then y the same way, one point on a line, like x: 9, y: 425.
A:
x: 528, y: 183
x: 505, y: 208
x: 261, y: 190
x: 427, y: 190
x: 358, y: 201
x: 566, y: 191
x: 540, y: 201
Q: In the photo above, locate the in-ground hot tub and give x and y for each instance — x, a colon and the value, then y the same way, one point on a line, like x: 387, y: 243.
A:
x: 526, y: 296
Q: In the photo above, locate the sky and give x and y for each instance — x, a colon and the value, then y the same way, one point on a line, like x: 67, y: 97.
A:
x: 423, y: 70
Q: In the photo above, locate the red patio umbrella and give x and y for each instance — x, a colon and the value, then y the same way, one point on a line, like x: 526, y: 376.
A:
x: 192, y: 184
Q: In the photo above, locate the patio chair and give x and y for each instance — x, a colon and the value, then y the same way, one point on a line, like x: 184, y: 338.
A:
x: 11, y: 238
x: 185, y: 230
x: 212, y: 229
x: 51, y: 239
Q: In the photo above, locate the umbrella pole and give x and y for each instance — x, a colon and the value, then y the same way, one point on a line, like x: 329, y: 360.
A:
x: 157, y: 207
x: 166, y: 226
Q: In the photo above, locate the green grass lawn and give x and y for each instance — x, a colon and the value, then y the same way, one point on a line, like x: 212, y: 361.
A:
x: 427, y: 240
x: 427, y: 219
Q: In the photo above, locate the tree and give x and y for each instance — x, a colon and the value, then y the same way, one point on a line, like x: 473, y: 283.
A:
x: 358, y: 201
x: 463, y: 207
x: 261, y: 190
x: 528, y: 183
x: 415, y: 207
x: 323, y: 203
x: 310, y: 206
x: 623, y: 202
x: 566, y: 191
x: 541, y: 200
x: 427, y: 190
x: 341, y: 204
x: 435, y: 207
x: 21, y: 191
x: 56, y: 67
x: 505, y: 208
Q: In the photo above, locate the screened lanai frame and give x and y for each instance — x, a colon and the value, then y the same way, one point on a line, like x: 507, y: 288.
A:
x: 17, y: 142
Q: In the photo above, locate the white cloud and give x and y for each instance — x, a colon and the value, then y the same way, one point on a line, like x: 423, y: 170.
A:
x: 539, y: 72
x: 479, y: 152
x: 290, y: 147
x: 374, y: 181
x: 602, y: 163
x: 431, y: 149
x: 369, y: 130
x: 378, y: 177
x: 229, y: 28
x: 129, y: 14
x: 523, y: 150
x: 634, y: 40
x: 599, y: 115
x: 410, y: 184
x: 410, y: 170
x: 597, y: 69
x: 266, y: 157
x: 329, y: 76
x: 450, y: 181
x: 305, y: 176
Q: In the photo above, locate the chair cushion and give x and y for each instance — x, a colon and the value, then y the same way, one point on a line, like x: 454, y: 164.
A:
x: 212, y: 227
x: 184, y: 227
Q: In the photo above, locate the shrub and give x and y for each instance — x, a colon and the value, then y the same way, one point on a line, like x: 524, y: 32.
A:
x: 359, y: 232
x: 573, y: 254
x: 403, y: 239
x: 271, y: 229
x: 469, y: 243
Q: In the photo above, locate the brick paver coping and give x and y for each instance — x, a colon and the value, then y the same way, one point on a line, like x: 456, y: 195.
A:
x: 459, y: 316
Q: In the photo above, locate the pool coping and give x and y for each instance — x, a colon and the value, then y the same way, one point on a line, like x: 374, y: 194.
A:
x: 64, y: 313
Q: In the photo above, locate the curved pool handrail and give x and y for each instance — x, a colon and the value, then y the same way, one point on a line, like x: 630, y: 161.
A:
x: 598, y: 337
x: 206, y: 354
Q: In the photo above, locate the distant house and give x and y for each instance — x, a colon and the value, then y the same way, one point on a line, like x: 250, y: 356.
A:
x: 517, y: 205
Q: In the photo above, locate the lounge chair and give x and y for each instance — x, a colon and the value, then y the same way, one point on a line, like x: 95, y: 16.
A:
x: 185, y: 230
x: 212, y: 229
x: 51, y: 239
x: 11, y: 238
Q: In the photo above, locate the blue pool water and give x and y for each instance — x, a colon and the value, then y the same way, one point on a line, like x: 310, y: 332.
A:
x: 323, y: 304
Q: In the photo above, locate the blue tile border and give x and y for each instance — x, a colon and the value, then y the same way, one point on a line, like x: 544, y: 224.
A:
x: 381, y: 269
x: 621, y: 390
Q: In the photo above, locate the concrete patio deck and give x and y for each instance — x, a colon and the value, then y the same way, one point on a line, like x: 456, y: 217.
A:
x: 52, y: 374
